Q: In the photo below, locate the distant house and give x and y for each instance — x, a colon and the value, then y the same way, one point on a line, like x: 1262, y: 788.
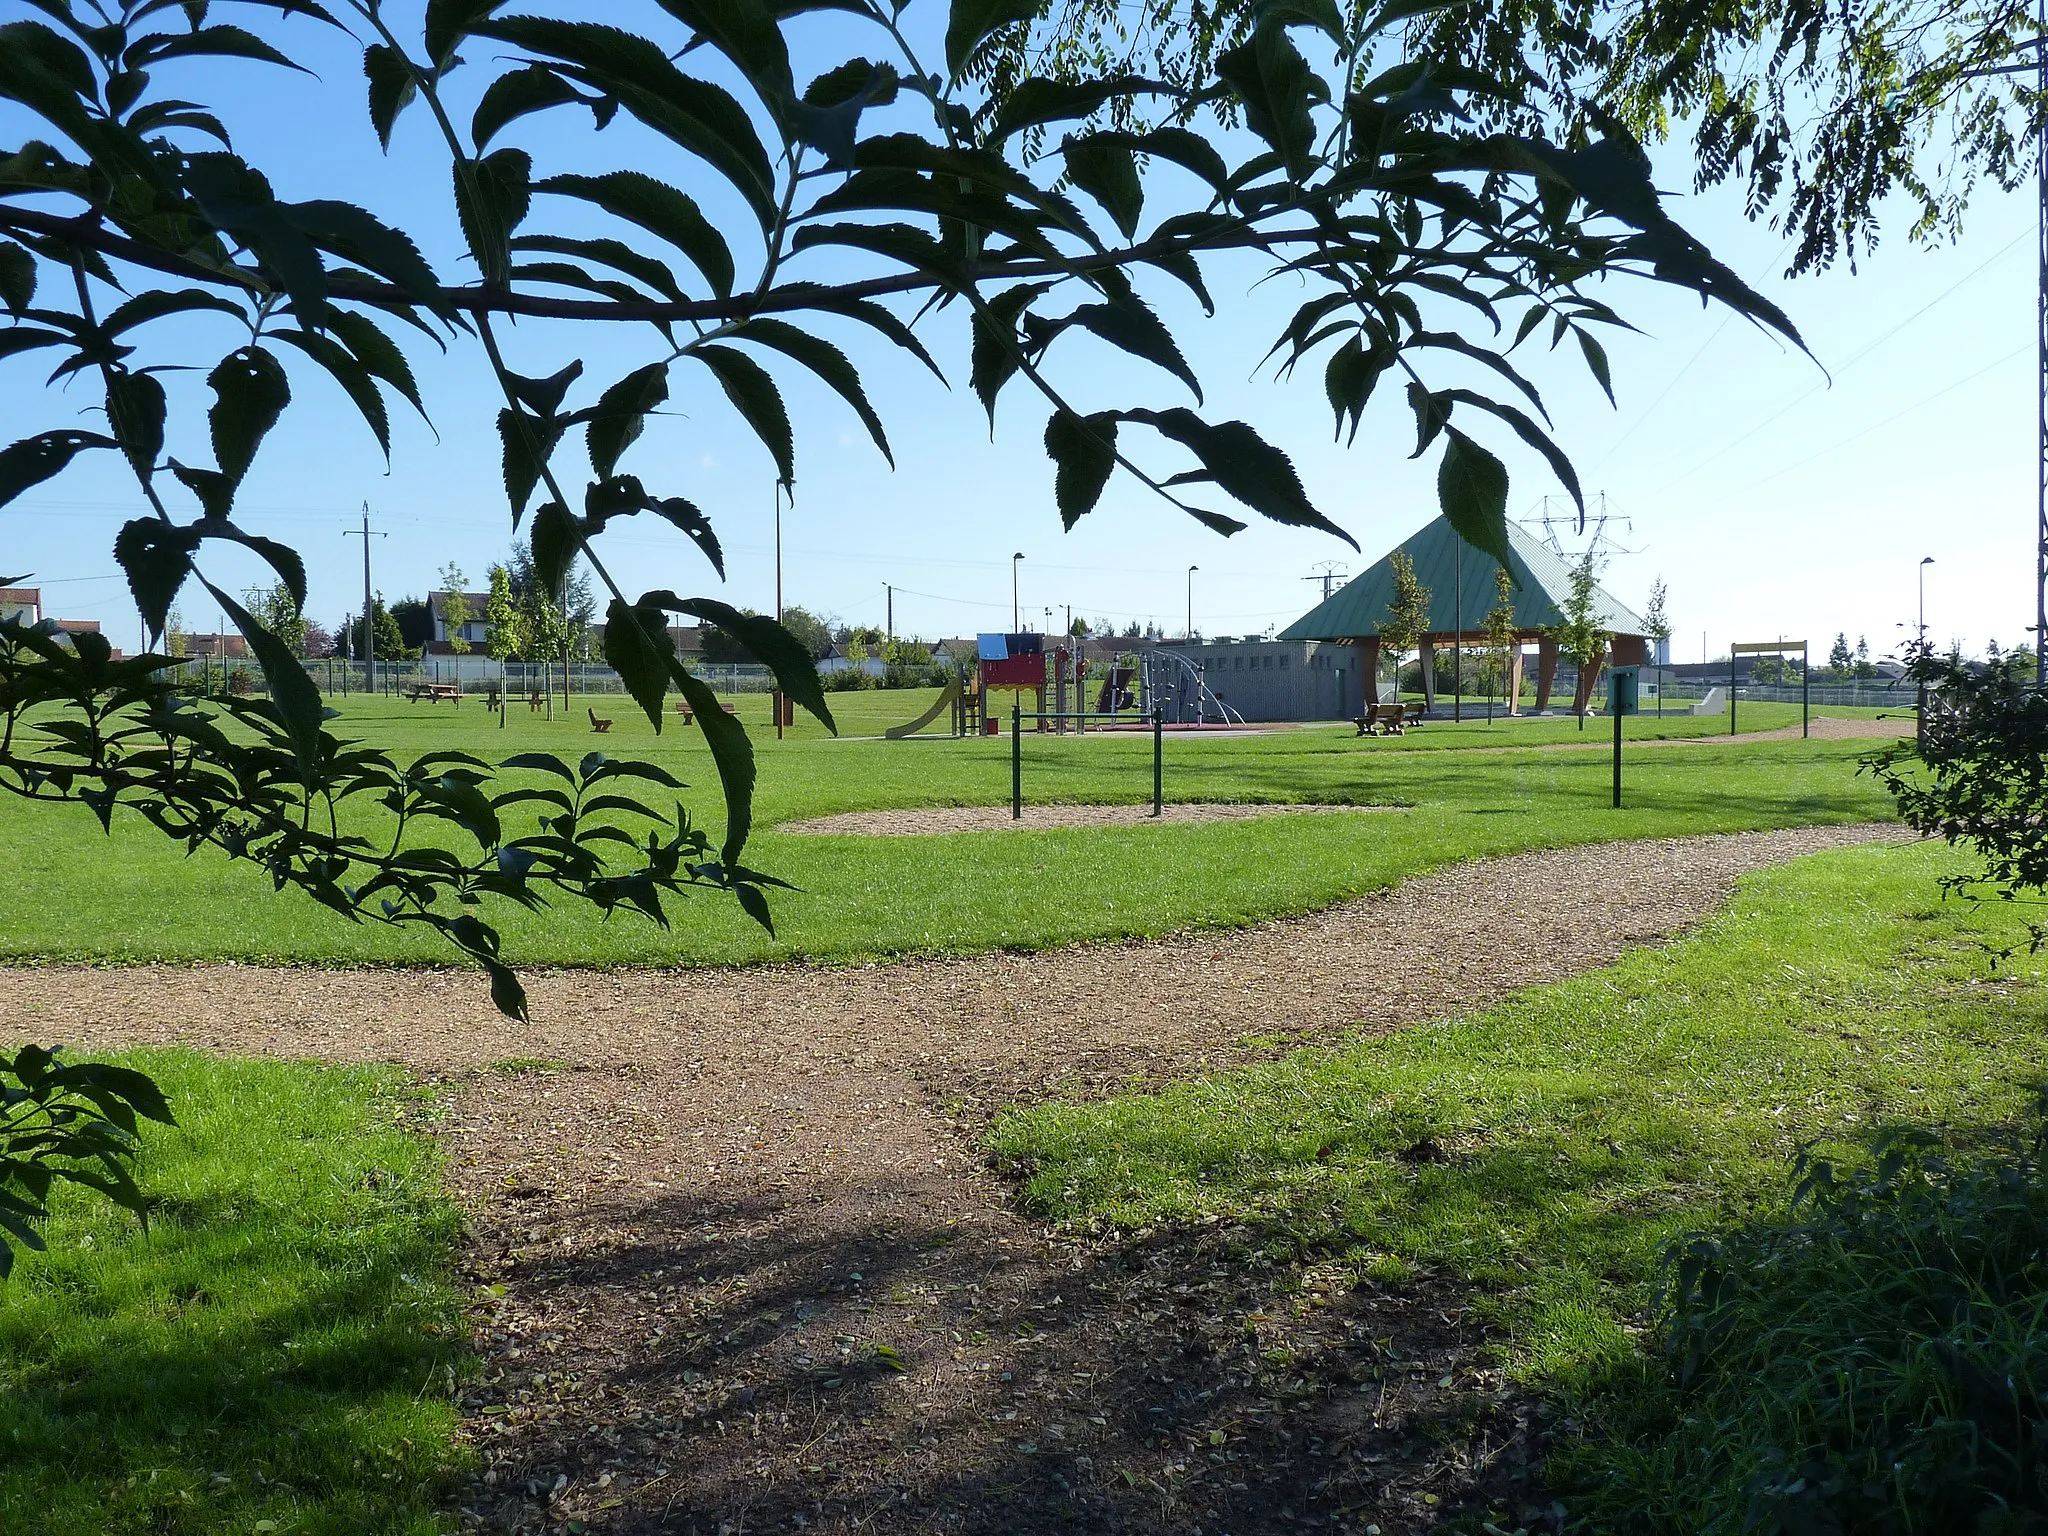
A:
x: 475, y: 630
x: 217, y: 647
x: 688, y: 639
x: 22, y: 603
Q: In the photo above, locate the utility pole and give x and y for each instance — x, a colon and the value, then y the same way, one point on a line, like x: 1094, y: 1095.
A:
x: 1016, y: 617
x: 369, y: 637
x: 1327, y: 571
x: 1191, y: 602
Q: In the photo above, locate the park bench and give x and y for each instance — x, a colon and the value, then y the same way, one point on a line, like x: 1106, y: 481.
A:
x: 689, y: 715
x: 434, y: 691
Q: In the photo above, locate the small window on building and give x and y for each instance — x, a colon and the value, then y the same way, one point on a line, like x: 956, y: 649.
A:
x: 1283, y: 661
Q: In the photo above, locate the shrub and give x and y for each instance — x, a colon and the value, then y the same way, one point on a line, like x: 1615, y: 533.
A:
x: 1873, y: 1359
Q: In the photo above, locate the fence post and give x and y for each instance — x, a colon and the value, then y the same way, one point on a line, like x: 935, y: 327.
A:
x: 1158, y: 763
x: 1017, y: 761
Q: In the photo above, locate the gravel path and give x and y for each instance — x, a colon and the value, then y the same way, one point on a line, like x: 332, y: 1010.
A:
x: 755, y: 1276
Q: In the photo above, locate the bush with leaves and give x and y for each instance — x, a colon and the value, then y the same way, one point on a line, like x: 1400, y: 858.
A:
x: 1873, y: 1359
x: 748, y: 224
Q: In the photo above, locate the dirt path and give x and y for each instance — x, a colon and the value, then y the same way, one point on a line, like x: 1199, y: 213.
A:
x: 939, y: 819
x: 755, y: 1277
x: 1600, y: 736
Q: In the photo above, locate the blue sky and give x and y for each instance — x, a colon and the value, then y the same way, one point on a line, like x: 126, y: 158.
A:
x: 1773, y: 498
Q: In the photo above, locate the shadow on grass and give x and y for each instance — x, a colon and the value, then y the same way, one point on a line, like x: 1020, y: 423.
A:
x: 279, y: 1346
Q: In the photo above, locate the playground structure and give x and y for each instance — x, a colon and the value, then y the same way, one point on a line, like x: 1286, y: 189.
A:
x: 1774, y: 648
x: 1021, y: 664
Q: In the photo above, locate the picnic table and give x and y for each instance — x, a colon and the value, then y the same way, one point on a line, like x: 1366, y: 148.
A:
x: 1388, y: 719
x: 689, y: 714
x: 452, y: 692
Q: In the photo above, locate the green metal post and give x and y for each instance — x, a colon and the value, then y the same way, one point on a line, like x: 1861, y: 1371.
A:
x: 1615, y: 705
x: 1731, y: 690
x: 1805, y: 695
x: 1158, y: 765
x: 1017, y: 762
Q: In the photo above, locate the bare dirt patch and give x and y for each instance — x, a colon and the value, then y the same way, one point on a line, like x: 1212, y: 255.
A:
x: 741, y: 1267
x: 939, y: 819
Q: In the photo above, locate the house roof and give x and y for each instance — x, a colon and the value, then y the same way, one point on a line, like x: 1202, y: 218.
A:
x: 477, y: 601
x: 1543, y: 582
x: 30, y: 595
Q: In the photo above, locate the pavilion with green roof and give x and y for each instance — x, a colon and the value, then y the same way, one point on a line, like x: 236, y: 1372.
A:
x: 1461, y: 585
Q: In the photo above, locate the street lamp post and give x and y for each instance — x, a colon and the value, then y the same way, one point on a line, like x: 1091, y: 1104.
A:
x: 1016, y: 617
x: 1920, y: 701
x: 1191, y: 600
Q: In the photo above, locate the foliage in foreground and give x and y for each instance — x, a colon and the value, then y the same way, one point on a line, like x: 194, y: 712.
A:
x: 67, y: 1124
x: 280, y: 1345
x: 1549, y: 1150
x: 132, y: 226
x: 1874, y: 1358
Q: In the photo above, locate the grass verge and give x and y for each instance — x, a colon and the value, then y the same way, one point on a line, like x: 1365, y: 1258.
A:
x: 276, y: 1353
x: 1547, y: 1151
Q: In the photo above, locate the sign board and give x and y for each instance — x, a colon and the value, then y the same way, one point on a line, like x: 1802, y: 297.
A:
x: 1622, y: 689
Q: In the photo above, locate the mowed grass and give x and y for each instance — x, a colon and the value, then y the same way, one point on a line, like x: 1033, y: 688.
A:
x: 72, y: 895
x: 1555, y: 1144
x: 279, y: 1347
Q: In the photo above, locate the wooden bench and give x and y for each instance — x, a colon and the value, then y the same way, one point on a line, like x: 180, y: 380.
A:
x: 452, y: 692
x: 690, y: 715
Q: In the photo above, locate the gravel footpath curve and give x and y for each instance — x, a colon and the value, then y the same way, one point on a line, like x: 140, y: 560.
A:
x: 756, y: 1277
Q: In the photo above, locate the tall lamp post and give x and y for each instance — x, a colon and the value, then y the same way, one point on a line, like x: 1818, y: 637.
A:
x: 1016, y: 616
x: 1920, y: 702
x: 1191, y: 600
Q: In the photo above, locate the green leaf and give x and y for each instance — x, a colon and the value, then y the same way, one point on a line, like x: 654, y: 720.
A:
x: 994, y: 355
x: 1596, y: 360
x: 512, y: 96
x: 1037, y: 100
x: 135, y: 407
x: 660, y: 210
x: 1349, y: 379
x: 796, y: 674
x: 392, y: 89
x: 155, y: 303
x: 528, y: 442
x: 1084, y: 449
x: 1102, y: 165
x: 1277, y: 88
x: 214, y: 490
x: 205, y: 42
x: 15, y: 339
x: 491, y: 198
x: 35, y: 459
x: 352, y: 376
x: 1187, y: 149
x: 970, y: 23
x: 621, y: 413
x: 1126, y: 323
x: 544, y: 397
x: 250, y: 391
x: 239, y: 201
x: 377, y: 352
x: 1472, y: 489
x: 156, y: 557
x: 759, y: 402
x: 449, y: 21
x: 745, y: 31
x: 637, y: 645
x: 828, y: 116
x: 1244, y: 464
x: 17, y: 277
x: 623, y: 495
x: 358, y: 236
x: 292, y: 694
x: 828, y: 363
x: 615, y: 254
x: 1321, y: 14
x: 694, y: 113
x: 731, y: 753
x: 555, y: 545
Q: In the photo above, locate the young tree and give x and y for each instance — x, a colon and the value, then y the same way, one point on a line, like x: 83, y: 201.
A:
x: 455, y: 607
x: 175, y: 642
x: 1498, y: 631
x: 1840, y: 657
x: 505, y: 627
x: 1864, y: 666
x: 1407, y: 619
x: 275, y: 609
x: 384, y: 630
x: 1657, y: 625
x: 1579, y: 634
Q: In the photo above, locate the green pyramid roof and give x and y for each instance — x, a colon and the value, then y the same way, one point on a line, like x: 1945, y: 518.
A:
x: 1543, y: 581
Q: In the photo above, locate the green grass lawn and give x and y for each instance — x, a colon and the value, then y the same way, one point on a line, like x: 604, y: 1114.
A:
x: 275, y: 1354
x: 1579, y: 1128
x: 71, y: 895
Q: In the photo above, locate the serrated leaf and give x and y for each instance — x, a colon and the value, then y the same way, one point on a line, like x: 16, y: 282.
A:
x: 491, y: 199
x: 513, y: 95
x: 135, y: 408
x: 17, y: 277
x: 970, y: 23
x: 1243, y: 464
x: 555, y: 545
x: 1277, y: 88
x: 292, y: 694
x: 156, y: 557
x: 1127, y: 324
x: 392, y: 89
x: 828, y: 363
x: 621, y: 413
x: 377, y: 352
x: 250, y: 392
x: 354, y: 379
x: 993, y: 355
x: 754, y: 395
x: 1103, y: 166
x: 155, y: 303
x: 221, y: 42
x: 615, y: 254
x: 35, y: 459
x: 448, y: 21
x: 1472, y: 489
x: 1037, y: 100
x: 731, y: 753
x: 745, y: 31
x: 638, y: 648
x: 528, y: 443
x: 659, y: 209
x: 356, y: 235
x: 1596, y: 360
x: 1084, y: 450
